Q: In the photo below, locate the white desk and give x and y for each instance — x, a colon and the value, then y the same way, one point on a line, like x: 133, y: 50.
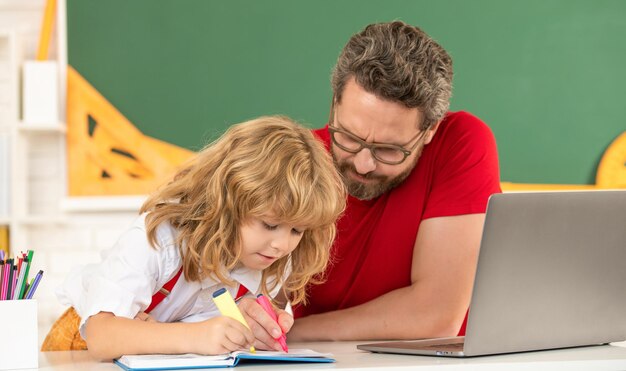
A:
x: 349, y: 358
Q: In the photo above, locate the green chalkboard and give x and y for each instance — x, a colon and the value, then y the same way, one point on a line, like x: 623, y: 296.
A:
x: 548, y: 76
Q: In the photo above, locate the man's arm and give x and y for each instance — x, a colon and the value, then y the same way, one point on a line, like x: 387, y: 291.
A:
x: 442, y: 275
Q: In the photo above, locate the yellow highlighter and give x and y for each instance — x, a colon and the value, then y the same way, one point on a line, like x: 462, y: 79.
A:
x: 227, y: 307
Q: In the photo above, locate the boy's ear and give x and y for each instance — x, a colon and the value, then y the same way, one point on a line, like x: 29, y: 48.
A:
x: 431, y: 132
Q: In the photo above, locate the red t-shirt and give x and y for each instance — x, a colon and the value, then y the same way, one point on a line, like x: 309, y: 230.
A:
x: 455, y: 175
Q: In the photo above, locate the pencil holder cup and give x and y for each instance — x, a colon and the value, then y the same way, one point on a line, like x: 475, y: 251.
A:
x: 19, y: 342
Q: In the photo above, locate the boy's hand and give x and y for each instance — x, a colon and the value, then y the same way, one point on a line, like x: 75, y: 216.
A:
x: 220, y: 335
x: 265, y: 330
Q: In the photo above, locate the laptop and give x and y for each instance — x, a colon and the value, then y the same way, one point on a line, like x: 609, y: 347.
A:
x: 551, y: 274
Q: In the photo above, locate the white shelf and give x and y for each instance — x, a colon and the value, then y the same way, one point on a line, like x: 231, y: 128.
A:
x: 40, y: 220
x: 26, y: 141
x: 105, y: 203
x: 32, y: 220
x: 42, y: 128
x: 22, y: 5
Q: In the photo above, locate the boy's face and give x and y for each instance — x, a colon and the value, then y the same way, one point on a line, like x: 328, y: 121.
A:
x: 265, y: 240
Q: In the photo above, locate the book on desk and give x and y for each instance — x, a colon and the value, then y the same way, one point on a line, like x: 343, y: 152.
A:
x: 192, y: 361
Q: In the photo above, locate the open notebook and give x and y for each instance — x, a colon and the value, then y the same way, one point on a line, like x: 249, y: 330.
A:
x: 191, y: 361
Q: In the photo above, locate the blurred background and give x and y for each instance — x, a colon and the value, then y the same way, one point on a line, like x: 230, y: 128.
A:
x: 138, y: 86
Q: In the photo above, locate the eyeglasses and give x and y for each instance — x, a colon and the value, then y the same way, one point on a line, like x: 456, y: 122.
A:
x: 390, y: 154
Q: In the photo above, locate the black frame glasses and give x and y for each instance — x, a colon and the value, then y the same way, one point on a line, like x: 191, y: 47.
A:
x: 374, y: 148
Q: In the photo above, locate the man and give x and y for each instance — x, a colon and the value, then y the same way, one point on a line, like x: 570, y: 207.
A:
x: 419, y: 178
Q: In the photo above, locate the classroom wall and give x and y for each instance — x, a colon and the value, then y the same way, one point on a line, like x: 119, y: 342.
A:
x: 546, y: 75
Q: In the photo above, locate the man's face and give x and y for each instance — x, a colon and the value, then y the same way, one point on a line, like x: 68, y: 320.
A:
x: 375, y: 121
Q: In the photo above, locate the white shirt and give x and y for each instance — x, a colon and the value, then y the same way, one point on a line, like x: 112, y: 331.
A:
x: 132, y: 271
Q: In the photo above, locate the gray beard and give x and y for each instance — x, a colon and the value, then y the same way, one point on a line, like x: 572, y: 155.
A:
x: 371, y: 191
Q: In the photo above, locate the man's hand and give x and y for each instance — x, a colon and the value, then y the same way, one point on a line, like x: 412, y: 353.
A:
x: 265, y: 330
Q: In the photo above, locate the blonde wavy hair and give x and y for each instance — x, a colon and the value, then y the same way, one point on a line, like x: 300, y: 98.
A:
x: 266, y: 165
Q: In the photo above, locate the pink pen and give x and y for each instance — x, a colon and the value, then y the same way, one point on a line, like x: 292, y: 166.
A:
x: 263, y: 302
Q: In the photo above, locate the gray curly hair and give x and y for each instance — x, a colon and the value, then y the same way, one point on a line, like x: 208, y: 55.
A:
x: 399, y: 63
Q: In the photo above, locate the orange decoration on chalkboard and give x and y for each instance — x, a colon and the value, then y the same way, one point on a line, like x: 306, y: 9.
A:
x: 107, y: 154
